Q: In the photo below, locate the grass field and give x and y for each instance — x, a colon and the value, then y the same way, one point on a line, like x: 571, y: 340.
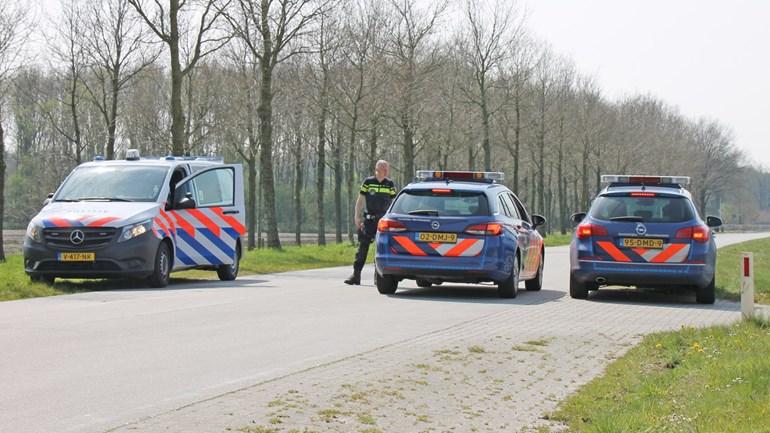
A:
x: 558, y: 239
x: 711, y: 380
x: 729, y: 270
x: 17, y: 285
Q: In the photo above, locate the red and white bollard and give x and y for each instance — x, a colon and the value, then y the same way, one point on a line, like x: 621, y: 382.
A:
x: 747, y: 286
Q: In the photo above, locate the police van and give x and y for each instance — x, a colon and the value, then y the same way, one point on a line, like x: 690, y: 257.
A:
x: 140, y: 218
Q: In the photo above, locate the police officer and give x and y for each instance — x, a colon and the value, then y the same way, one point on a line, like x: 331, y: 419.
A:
x: 376, y: 192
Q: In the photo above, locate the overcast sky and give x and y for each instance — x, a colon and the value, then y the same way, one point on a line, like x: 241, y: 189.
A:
x: 708, y: 57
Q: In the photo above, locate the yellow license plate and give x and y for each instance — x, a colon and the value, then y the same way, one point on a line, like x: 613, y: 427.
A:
x: 643, y: 243
x: 77, y: 257
x: 449, y: 238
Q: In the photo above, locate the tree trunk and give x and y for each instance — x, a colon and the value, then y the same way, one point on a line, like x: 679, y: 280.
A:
x: 352, y: 190
x: 408, y: 146
x: 338, y: 187
x: 177, y: 115
x: 251, y: 213
x: 298, y: 191
x: 321, y: 168
x: 486, y: 145
x: 265, y: 114
x: 373, y: 146
x: 2, y: 187
x: 112, y: 121
x: 516, y: 142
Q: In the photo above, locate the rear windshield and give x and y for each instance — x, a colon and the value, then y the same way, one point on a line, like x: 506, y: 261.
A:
x: 113, y: 183
x: 456, y: 203
x: 657, y: 209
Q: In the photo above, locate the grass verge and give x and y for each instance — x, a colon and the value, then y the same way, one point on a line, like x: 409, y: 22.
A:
x: 729, y: 270
x: 696, y: 380
x: 16, y: 285
x: 558, y: 239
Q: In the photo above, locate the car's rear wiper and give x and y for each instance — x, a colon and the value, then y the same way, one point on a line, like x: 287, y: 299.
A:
x: 627, y: 218
x: 101, y: 199
x: 425, y: 212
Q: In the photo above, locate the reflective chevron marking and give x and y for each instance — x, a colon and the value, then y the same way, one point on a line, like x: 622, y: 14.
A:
x: 613, y: 251
x: 409, y: 246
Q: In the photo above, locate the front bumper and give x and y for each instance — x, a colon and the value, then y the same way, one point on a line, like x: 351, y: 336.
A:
x: 133, y: 258
x: 643, y: 274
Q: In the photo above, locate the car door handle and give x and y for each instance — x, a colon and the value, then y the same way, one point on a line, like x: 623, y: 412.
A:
x: 230, y: 212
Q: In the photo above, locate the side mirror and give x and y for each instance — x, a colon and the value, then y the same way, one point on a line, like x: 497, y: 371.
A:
x: 186, y: 203
x: 575, y: 218
x: 538, y: 220
x: 713, y: 221
x: 48, y: 199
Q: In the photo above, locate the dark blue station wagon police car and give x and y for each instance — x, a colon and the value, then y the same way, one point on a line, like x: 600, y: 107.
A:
x: 459, y: 227
x: 643, y: 231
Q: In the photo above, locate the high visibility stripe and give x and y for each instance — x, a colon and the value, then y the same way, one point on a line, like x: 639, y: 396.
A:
x: 183, y: 224
x: 159, y: 222
x: 169, y: 221
x: 218, y: 242
x: 409, y: 245
x: 435, y: 245
x: 203, y: 218
x: 232, y: 222
x: 102, y: 221
x: 613, y: 251
x: 200, y: 249
x: 639, y: 251
x: 59, y: 222
x: 667, y: 253
x: 184, y: 258
x: 460, y: 248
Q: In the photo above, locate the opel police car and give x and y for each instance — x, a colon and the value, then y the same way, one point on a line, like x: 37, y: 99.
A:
x: 455, y: 226
x: 643, y: 231
x: 140, y: 218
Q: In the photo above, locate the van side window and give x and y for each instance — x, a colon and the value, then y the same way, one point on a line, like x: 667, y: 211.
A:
x: 178, y: 175
x: 214, y: 188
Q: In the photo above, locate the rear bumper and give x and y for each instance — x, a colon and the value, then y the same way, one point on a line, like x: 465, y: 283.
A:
x: 133, y: 258
x: 643, y: 275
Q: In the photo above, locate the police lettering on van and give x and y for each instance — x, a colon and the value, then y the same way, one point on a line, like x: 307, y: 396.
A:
x: 141, y: 218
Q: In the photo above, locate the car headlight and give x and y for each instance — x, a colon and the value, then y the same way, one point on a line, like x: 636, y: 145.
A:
x: 136, y: 230
x: 34, y: 232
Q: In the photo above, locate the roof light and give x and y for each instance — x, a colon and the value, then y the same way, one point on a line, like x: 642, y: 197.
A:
x: 441, y: 191
x: 646, y: 180
x: 473, y: 176
x: 132, y: 155
x: 98, y: 158
x: 643, y: 194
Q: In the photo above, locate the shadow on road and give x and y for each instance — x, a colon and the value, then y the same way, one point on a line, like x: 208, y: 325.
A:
x: 658, y: 298
x: 79, y: 286
x: 480, y: 294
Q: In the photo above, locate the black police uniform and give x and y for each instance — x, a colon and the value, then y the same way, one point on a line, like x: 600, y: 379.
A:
x: 378, y: 196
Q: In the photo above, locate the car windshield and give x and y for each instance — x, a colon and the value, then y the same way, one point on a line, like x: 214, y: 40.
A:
x: 650, y: 209
x: 113, y: 183
x: 430, y: 203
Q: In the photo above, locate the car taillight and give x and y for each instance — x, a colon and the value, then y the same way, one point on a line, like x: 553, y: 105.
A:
x: 696, y: 233
x: 386, y: 225
x: 491, y: 229
x: 585, y: 231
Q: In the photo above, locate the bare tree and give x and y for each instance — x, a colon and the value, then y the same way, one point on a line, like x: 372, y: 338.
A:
x: 273, y: 31
x: 116, y: 51
x: 170, y: 26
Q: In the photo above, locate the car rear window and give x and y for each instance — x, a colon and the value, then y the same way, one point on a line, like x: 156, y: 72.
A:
x: 456, y: 203
x: 655, y: 209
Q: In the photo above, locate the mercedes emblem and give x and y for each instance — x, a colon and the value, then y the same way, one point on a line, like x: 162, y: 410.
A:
x: 77, y: 237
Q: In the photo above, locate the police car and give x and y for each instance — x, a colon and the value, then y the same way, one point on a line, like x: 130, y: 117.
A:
x: 643, y: 231
x: 141, y: 218
x: 459, y: 227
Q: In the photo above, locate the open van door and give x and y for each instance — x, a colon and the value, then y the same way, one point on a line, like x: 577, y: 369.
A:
x: 209, y: 212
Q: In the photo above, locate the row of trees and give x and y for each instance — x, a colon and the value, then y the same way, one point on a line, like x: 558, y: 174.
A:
x: 309, y: 93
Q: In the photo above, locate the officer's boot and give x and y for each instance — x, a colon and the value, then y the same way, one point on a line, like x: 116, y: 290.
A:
x: 354, y: 279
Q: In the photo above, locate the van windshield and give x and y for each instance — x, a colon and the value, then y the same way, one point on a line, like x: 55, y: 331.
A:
x: 113, y: 183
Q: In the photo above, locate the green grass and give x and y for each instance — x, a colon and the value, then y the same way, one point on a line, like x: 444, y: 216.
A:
x: 729, y: 270
x: 17, y: 285
x: 710, y: 380
x: 558, y: 239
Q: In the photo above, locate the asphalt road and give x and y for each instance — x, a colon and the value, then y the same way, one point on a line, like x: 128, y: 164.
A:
x: 95, y: 361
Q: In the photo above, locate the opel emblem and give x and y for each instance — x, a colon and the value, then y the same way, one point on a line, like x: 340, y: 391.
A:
x: 435, y: 225
x: 77, y: 237
x: 641, y: 230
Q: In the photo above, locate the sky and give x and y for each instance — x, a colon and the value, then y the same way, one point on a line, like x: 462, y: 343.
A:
x: 709, y: 58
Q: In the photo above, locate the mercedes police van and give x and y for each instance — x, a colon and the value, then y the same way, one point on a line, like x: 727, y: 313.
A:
x: 140, y: 218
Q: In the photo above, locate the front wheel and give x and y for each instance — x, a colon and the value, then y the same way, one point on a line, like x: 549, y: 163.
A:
x: 424, y: 283
x: 536, y: 283
x: 162, y: 270
x: 577, y: 289
x: 386, y: 284
x: 230, y: 272
x: 45, y: 279
x: 706, y: 294
x: 509, y: 287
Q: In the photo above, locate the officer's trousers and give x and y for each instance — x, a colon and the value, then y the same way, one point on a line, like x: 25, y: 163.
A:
x: 365, y: 237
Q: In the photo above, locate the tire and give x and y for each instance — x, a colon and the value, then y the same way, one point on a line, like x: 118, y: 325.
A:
x: 424, y: 283
x: 536, y: 283
x: 386, y: 284
x: 230, y: 272
x: 509, y: 288
x: 45, y: 279
x: 706, y: 294
x: 162, y: 269
x: 577, y: 290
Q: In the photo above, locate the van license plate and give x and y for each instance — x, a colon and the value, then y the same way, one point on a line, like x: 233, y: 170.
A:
x: 77, y: 257
x: 643, y: 243
x: 437, y: 237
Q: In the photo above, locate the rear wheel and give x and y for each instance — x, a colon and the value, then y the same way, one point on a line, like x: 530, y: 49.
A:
x: 386, y: 284
x: 536, y: 283
x: 706, y: 294
x: 509, y: 288
x: 424, y: 283
x: 230, y: 272
x: 162, y: 271
x: 46, y: 279
x: 577, y: 289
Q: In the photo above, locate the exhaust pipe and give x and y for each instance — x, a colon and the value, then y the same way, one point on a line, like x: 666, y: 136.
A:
x: 601, y: 280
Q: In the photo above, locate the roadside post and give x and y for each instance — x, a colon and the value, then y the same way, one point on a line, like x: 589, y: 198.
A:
x: 747, y: 286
